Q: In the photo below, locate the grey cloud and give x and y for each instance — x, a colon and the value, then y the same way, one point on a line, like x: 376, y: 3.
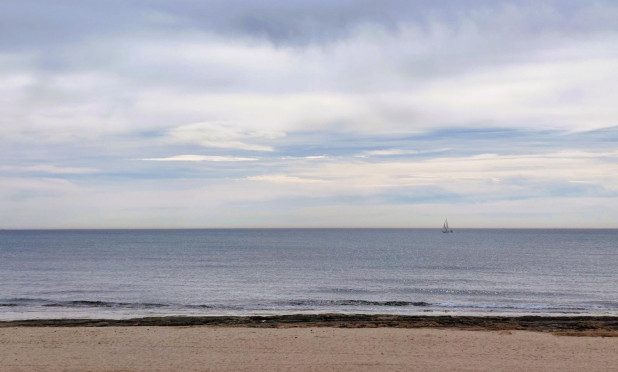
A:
x: 40, y: 23
x: 403, y: 41
x: 307, y: 21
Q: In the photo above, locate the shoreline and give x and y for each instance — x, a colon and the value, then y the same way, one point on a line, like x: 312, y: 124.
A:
x: 602, y: 325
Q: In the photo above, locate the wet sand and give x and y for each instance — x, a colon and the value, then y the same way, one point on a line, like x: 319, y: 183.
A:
x: 316, y: 343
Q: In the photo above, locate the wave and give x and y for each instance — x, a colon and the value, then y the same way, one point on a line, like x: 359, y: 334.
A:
x: 83, y: 303
x: 529, y: 307
x: 145, y: 305
x: 27, y: 302
x: 355, y: 303
x: 302, y: 305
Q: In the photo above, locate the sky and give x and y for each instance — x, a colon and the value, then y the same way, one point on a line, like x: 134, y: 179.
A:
x: 308, y: 113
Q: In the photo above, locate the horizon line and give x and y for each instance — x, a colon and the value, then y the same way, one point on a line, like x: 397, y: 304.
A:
x: 296, y: 228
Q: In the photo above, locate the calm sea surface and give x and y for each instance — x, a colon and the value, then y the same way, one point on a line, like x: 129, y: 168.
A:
x: 132, y: 273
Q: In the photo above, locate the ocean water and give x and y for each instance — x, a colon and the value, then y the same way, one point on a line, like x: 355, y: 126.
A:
x: 134, y: 273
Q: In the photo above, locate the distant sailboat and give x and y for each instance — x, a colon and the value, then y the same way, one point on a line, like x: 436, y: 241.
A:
x: 445, y: 228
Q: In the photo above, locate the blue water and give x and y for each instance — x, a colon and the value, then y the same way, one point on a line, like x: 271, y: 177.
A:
x: 132, y: 273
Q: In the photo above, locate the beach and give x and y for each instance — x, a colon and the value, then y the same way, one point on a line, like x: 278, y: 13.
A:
x: 299, y: 349
x: 309, y: 343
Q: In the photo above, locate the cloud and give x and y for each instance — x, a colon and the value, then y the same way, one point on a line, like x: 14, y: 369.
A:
x: 388, y: 152
x: 197, y: 158
x: 391, y: 152
x: 309, y: 157
x: 48, y: 168
x: 471, y: 175
x: 486, y: 66
x: 223, y: 135
x: 482, y: 190
x: 14, y: 191
x: 281, y: 178
x: 400, y: 152
x: 368, y: 110
x: 296, y: 23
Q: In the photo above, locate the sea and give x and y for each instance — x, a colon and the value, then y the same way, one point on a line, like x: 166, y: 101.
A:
x: 117, y: 274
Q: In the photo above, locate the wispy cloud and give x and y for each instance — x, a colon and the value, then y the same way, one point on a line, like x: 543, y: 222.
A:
x: 198, y: 158
x: 282, y: 178
x: 388, y: 152
x: 222, y: 135
x: 48, y: 168
x: 398, y: 152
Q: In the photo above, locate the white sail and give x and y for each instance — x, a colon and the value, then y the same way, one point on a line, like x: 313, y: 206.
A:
x: 445, y: 228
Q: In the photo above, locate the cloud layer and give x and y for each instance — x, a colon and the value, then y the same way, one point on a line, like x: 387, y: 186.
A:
x: 308, y: 113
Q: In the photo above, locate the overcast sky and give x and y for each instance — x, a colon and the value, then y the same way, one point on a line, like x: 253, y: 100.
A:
x: 308, y: 113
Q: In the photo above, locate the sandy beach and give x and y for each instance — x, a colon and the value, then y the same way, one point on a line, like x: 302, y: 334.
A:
x: 301, y: 347
x: 298, y: 349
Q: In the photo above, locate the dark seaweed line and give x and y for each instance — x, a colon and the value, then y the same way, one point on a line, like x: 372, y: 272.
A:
x: 533, y: 323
